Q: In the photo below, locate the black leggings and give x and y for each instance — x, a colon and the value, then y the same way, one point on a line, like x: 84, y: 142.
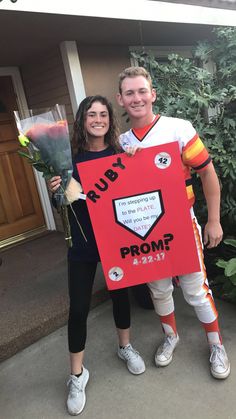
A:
x: 81, y: 279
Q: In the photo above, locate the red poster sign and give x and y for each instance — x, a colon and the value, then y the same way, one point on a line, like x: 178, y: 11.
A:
x: 140, y: 215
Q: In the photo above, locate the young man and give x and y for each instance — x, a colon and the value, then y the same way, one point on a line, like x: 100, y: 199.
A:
x: 136, y: 95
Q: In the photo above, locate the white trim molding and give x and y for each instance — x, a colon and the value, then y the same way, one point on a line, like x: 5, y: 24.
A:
x: 142, y: 10
x: 71, y: 62
x: 14, y: 73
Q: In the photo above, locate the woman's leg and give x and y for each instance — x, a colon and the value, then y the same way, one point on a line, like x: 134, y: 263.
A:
x: 81, y: 279
x: 121, y: 314
x: 123, y: 336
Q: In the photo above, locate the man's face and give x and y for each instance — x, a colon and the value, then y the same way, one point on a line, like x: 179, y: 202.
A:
x: 137, y: 97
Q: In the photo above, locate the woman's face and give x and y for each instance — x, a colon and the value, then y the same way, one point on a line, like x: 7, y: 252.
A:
x: 97, y: 120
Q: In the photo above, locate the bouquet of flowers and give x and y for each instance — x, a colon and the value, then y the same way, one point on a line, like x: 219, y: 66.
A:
x: 45, y: 134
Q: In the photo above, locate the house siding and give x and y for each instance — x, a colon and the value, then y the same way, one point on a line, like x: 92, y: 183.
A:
x: 45, y: 85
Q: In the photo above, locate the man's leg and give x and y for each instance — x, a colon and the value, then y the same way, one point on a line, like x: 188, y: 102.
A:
x: 197, y: 293
x: 161, y: 293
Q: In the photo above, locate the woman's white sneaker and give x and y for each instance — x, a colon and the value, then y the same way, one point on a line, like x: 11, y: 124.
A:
x: 76, y: 397
x: 134, y: 361
x: 164, y: 353
x: 220, y: 366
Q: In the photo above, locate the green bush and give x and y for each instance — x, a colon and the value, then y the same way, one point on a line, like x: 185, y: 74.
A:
x: 227, y: 280
x: 186, y: 89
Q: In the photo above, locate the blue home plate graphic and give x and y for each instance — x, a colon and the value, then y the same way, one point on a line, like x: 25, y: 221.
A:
x: 139, y: 213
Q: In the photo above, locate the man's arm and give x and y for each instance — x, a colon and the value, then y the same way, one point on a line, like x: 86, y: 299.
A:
x: 213, y: 232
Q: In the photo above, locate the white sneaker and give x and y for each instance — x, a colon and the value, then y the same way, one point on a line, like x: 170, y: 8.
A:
x: 220, y: 366
x: 164, y: 353
x: 76, y: 397
x: 134, y: 361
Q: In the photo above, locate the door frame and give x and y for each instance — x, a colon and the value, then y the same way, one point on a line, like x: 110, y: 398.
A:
x: 40, y: 181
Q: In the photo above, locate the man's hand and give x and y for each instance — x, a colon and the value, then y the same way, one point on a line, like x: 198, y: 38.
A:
x: 131, y: 150
x: 213, y: 234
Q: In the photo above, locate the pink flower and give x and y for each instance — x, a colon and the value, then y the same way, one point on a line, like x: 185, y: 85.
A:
x: 52, y: 131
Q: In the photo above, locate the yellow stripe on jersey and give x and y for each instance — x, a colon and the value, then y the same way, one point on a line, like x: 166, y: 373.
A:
x: 189, y: 190
x: 195, y: 154
x: 193, y: 150
x: 190, y: 195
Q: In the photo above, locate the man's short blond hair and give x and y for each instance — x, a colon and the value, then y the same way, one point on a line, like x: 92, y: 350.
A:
x: 134, y: 71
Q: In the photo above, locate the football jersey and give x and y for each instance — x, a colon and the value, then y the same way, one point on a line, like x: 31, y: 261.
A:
x: 165, y: 130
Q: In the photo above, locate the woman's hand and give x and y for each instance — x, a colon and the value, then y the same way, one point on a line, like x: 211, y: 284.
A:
x: 73, y: 191
x: 54, y: 183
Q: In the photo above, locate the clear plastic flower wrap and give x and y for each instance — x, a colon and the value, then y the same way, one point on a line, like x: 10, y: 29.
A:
x: 45, y: 135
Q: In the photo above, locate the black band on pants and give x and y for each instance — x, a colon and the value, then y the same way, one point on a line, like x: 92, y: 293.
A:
x: 81, y: 278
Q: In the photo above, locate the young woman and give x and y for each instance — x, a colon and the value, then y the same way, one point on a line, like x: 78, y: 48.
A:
x: 95, y: 135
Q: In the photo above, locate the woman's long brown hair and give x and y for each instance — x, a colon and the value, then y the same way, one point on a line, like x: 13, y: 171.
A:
x: 80, y: 141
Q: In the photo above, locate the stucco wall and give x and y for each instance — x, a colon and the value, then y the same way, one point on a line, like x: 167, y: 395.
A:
x: 100, y: 67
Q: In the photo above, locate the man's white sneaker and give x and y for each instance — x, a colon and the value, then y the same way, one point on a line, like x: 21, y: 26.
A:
x: 76, y: 397
x: 134, y: 361
x: 220, y: 366
x: 164, y: 353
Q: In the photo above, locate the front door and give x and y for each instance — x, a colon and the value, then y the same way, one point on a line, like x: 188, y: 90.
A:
x: 20, y: 208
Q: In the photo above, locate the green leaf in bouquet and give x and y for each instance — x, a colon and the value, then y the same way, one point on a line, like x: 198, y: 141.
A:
x: 48, y: 175
x: 23, y: 154
x: 40, y: 166
x: 37, y: 155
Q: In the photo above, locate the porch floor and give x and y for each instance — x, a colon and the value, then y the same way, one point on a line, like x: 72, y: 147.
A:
x: 33, y: 291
